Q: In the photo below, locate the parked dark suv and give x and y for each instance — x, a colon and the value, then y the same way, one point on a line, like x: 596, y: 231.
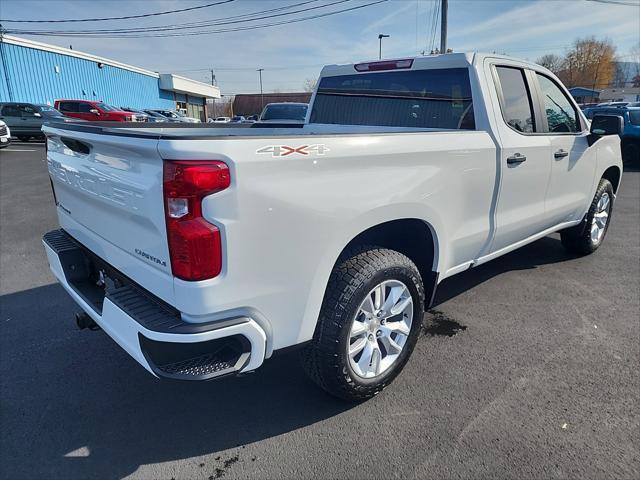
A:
x: 25, y: 119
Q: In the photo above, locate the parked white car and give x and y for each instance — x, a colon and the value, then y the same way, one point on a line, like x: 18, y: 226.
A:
x: 222, y: 120
x: 201, y: 252
x: 5, y: 135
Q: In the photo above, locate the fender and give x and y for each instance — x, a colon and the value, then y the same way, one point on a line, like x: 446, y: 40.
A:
x: 351, y: 230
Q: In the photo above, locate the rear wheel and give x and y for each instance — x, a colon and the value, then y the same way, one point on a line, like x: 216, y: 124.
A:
x: 588, y: 236
x: 369, y: 324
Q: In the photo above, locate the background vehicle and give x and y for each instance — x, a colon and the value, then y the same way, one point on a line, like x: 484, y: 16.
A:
x: 630, y: 144
x: 201, y: 251
x: 5, y: 135
x: 237, y: 119
x: 25, y: 119
x: 222, y: 120
x: 158, y: 117
x: 93, y: 111
x: 613, y: 104
x: 140, y: 115
x: 177, y: 116
x: 284, y: 113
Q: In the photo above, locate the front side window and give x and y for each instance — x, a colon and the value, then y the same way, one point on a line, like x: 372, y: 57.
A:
x: 85, y: 107
x: 435, y: 98
x: 27, y: 110
x: 516, y: 105
x: 562, y: 116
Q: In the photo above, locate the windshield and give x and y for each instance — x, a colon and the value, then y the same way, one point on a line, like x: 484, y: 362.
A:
x: 634, y: 117
x: 106, y: 108
x: 284, y: 112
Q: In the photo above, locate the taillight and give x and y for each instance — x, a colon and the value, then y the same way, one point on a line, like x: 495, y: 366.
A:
x: 195, y: 246
x: 384, y: 65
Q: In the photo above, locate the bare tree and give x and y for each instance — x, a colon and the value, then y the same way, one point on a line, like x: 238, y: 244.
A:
x: 310, y: 84
x: 553, y: 62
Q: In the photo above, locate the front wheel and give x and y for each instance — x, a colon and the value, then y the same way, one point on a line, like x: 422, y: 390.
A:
x: 369, y: 323
x: 588, y: 236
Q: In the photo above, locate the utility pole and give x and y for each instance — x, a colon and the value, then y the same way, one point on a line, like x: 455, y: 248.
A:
x: 213, y: 78
x: 443, y: 27
x: 380, y: 37
x: 261, y: 92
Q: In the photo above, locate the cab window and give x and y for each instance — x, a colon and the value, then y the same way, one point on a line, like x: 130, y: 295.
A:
x: 84, y: 108
x: 11, y: 111
x: 515, y: 100
x: 562, y: 116
x: 68, y: 107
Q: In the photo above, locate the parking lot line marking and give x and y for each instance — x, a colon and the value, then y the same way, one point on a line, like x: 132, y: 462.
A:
x: 12, y: 150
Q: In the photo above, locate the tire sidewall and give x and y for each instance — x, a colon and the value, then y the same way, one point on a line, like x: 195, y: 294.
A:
x: 409, y: 278
x: 604, y: 187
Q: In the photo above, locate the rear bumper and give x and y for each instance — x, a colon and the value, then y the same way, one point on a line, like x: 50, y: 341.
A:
x: 151, y: 331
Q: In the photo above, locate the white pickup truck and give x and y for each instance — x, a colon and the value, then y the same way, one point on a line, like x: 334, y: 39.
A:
x: 202, y: 251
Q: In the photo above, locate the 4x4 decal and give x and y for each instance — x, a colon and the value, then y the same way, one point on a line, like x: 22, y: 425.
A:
x: 285, y: 150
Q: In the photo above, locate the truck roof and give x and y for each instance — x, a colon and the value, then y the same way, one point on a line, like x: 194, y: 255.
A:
x: 448, y: 60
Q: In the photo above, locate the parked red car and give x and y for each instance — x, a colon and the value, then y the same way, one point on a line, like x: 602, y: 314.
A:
x: 93, y: 111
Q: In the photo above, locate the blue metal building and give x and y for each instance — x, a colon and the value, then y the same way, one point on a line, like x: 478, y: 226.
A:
x: 35, y: 72
x: 584, y: 95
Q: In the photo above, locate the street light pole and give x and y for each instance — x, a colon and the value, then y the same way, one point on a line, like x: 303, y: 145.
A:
x: 261, y: 93
x: 380, y: 37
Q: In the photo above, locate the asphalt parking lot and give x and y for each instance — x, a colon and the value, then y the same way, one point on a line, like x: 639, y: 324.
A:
x: 529, y: 369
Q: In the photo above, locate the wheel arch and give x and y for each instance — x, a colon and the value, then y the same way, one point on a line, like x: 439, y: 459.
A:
x: 418, y: 241
x: 613, y: 174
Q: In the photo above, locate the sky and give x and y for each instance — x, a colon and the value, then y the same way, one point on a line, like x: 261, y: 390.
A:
x: 290, y: 54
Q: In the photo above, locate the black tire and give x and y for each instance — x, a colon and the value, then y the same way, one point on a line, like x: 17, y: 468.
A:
x: 357, y: 272
x: 24, y: 138
x: 578, y: 239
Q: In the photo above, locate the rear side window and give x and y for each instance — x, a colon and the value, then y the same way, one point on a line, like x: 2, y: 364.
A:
x: 68, y: 106
x: 437, y: 98
x: 634, y: 117
x: 11, y: 111
x: 562, y: 117
x: 515, y: 100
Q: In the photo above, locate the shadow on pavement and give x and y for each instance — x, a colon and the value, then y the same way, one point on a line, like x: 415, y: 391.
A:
x: 73, y: 405
x: 541, y: 252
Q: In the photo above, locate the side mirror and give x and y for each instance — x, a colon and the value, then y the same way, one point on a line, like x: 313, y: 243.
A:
x: 602, y: 125
x: 94, y: 111
x: 37, y: 115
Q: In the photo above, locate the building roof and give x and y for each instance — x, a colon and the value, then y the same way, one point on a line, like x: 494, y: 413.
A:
x: 171, y: 82
x: 583, y: 91
x: 252, y: 103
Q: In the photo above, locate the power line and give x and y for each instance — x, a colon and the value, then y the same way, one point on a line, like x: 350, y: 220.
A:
x: 248, y: 17
x: 155, y: 14
x: 204, y: 32
x: 616, y: 2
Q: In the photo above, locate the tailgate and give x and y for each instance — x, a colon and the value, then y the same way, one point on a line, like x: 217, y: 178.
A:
x: 108, y: 190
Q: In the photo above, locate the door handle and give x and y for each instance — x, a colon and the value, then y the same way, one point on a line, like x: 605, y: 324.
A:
x: 561, y: 153
x: 516, y: 158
